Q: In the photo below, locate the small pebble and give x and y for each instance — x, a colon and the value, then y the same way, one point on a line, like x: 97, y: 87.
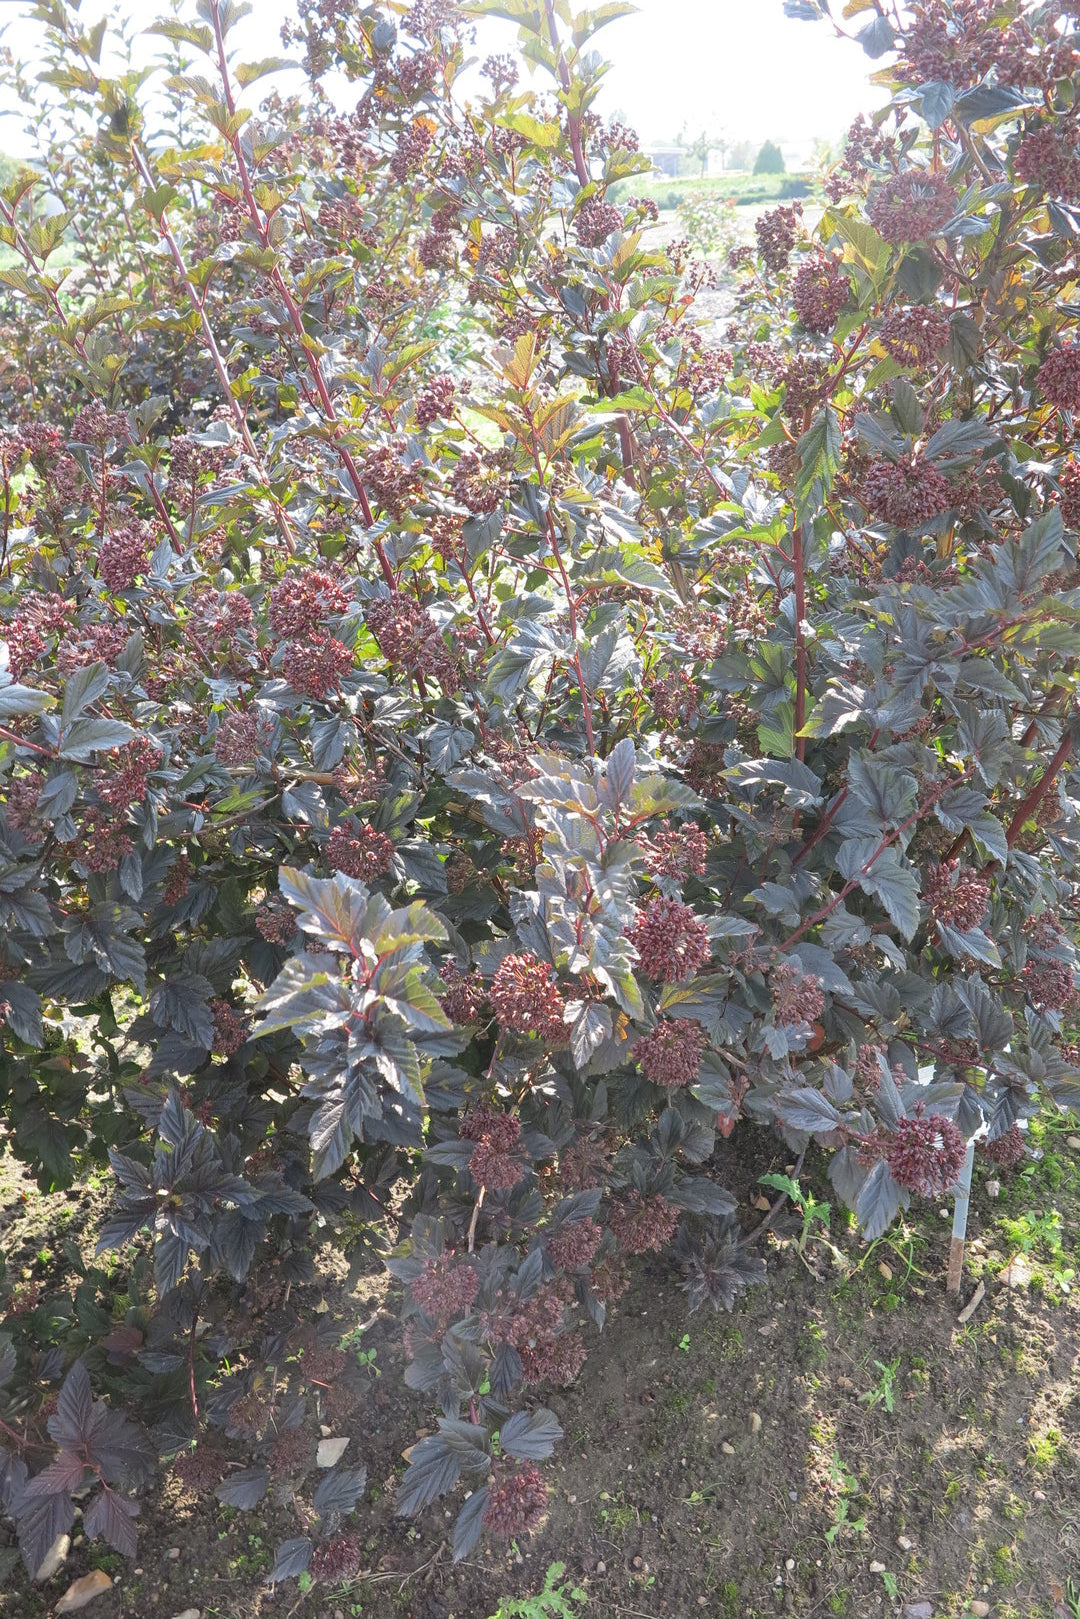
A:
x: 904, y: 1543
x: 1073, y: 1142
x: 728, y: 1450
x: 978, y: 1609
x: 601, y: 1567
x: 790, y: 1564
x: 1039, y: 1495
x: 755, y: 1422
x: 993, y: 1188
x: 918, y: 1610
x: 189, y: 1613
x: 173, y: 1554
x: 877, y: 1568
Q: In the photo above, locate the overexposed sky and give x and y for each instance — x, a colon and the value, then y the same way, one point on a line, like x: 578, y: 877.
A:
x: 734, y: 67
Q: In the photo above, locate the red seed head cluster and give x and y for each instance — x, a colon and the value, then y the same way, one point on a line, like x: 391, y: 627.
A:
x: 479, y: 483
x: 413, y: 145
x: 394, y: 484
x: 189, y: 460
x: 517, y: 1497
x: 445, y: 1288
x: 435, y: 401
x: 276, y: 922
x: 496, y: 1160
x: 777, y: 232
x: 236, y: 740
x: 555, y: 1360
x: 868, y: 1068
x: 675, y: 699
x: 466, y: 994
x: 317, y: 666
x: 643, y: 1225
x: 796, y: 997
x: 574, y: 1246
x: 1069, y: 480
x: 926, y: 1153
x: 1006, y: 1150
x: 670, y: 941
x: 131, y: 765
x: 1050, y: 985
x: 178, y: 881
x: 912, y: 206
x: 1059, y: 376
x: 304, y: 599
x: 957, y: 896
x: 675, y: 852
x: 915, y: 336
x: 409, y: 636
x: 1048, y: 159
x: 124, y: 555
x: 525, y: 997
x: 102, y: 842
x: 671, y: 1053
x: 596, y: 220
x: 231, y: 1030
x: 360, y: 852
x: 906, y: 493
x: 820, y: 292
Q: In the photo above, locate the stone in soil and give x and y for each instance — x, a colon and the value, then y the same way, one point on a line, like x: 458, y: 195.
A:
x: 84, y: 1590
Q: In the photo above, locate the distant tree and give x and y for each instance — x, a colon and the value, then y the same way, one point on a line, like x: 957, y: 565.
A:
x: 700, y: 148
x: 770, y: 160
x: 742, y: 154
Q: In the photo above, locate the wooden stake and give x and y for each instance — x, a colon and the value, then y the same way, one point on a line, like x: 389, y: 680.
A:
x: 959, y: 1227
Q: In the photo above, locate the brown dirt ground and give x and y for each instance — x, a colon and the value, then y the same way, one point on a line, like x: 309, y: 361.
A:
x: 732, y: 1465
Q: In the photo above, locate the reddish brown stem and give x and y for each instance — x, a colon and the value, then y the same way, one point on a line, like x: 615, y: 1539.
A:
x: 1030, y: 803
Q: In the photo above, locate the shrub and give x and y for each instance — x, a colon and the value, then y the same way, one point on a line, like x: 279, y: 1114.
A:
x: 437, y: 670
x: 770, y: 159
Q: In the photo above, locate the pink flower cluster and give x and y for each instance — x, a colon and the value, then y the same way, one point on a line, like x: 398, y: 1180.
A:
x: 317, y: 666
x: 124, y: 555
x: 915, y: 336
x: 912, y: 206
x: 231, y: 1030
x: 675, y: 852
x: 907, y: 493
x: 409, y: 636
x: 1007, y: 1149
x: 465, y: 995
x: 574, y: 1245
x: 957, y: 896
x: 445, y: 1288
x: 796, y: 997
x: 126, y: 782
x: 236, y: 740
x: 821, y: 290
x: 1059, y: 376
x: 777, y: 232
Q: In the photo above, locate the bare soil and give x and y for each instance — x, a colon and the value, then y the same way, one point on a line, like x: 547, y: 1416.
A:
x: 838, y: 1445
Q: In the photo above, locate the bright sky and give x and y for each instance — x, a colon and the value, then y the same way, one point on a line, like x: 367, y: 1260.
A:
x: 736, y: 67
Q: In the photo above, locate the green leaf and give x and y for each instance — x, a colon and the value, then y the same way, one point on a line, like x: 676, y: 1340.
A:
x: 17, y: 701
x: 84, y: 738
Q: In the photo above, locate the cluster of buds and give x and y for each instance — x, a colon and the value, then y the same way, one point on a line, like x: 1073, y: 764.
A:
x: 200, y: 1468
x: 236, y: 740
x: 704, y: 767
x: 221, y: 615
x: 596, y: 220
x: 777, y: 232
x: 276, y: 922
x: 574, y: 1245
x: 674, y: 853
x: 190, y: 461
x: 101, y: 844
x: 958, y: 897
x: 178, y: 881
x: 670, y: 941
x: 124, y: 555
x: 865, y: 148
x: 907, y: 493
x: 671, y: 1053
x: 926, y: 1154
x: 796, y: 997
x: 501, y: 72
x: 395, y: 484
x: 912, y: 206
x: 409, y: 636
x: 435, y: 401
x: 445, y: 1288
x: 517, y: 1497
x: 465, y: 996
x: 1047, y: 158
x: 868, y: 1066
x: 231, y: 1030
x: 496, y: 1162
x: 317, y: 666
x: 675, y: 699
x: 100, y: 427
x: 479, y: 482
x: 364, y: 853
x: 126, y: 782
x: 1059, y: 377
x: 643, y: 1225
x: 584, y: 1164
x: 1050, y: 985
x: 21, y: 801
x: 304, y: 599
x: 28, y: 636
x: 525, y: 997
x: 1007, y: 1149
x: 915, y: 336
x: 92, y: 643
x: 1069, y: 483
x: 821, y: 290
x: 412, y: 148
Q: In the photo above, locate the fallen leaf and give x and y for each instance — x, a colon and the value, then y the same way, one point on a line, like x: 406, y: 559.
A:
x: 84, y: 1590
